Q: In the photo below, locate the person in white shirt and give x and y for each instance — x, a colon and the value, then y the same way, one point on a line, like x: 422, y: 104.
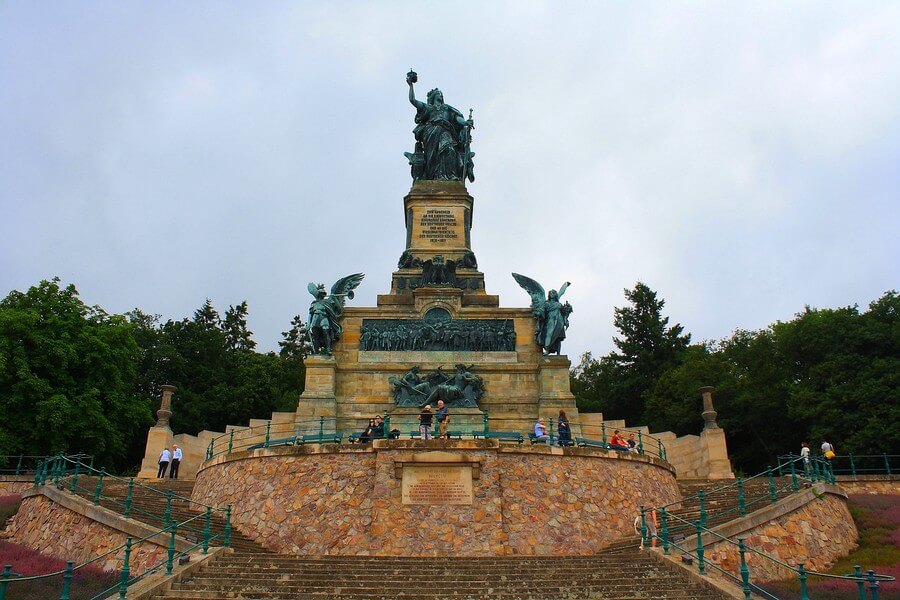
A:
x: 164, y: 457
x: 176, y: 460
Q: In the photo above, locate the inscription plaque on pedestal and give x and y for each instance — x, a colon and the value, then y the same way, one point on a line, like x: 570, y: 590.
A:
x: 441, y: 485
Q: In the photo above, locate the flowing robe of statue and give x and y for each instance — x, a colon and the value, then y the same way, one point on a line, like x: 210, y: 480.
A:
x: 554, y: 324
x: 442, y: 138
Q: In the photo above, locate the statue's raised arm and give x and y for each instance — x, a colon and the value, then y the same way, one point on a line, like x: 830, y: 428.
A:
x: 326, y: 311
x: 443, y: 138
x: 551, y: 315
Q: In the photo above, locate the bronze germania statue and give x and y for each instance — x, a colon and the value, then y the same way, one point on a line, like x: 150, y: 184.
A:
x: 443, y: 139
x: 551, y: 315
x: 326, y: 310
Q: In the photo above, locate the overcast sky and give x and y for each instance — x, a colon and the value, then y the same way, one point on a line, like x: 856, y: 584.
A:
x: 741, y: 158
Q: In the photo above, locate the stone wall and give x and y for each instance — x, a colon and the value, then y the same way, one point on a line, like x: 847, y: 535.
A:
x: 816, y: 529
x: 869, y: 484
x: 331, y: 499
x: 15, y: 485
x: 57, y: 531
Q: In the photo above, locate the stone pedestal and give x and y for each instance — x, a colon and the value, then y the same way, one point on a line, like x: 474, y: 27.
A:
x: 715, y: 450
x: 157, y: 439
x: 318, y: 398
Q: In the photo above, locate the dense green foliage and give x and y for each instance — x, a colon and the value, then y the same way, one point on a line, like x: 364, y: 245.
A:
x: 827, y: 374
x: 76, y: 379
x: 68, y: 376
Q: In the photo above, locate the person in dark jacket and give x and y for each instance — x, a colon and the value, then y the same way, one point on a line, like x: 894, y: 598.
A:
x: 564, y: 430
x: 426, y: 418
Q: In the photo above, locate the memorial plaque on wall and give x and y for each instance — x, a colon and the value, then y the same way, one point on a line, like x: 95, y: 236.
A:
x: 437, y: 484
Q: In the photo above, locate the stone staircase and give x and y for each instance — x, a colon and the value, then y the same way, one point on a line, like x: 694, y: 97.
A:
x: 253, y: 576
x: 148, y: 506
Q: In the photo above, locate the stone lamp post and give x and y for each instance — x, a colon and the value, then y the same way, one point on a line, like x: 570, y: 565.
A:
x: 709, y: 413
x: 714, y: 451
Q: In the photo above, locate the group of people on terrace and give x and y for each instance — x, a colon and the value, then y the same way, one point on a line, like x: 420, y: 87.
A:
x: 564, y: 435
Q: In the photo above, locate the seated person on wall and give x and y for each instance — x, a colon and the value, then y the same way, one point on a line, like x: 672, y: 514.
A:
x: 540, y: 432
x: 366, y: 436
x: 378, y: 430
x: 617, y: 442
x: 632, y: 443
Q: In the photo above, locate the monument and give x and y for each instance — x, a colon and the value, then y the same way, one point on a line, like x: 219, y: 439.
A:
x: 437, y: 333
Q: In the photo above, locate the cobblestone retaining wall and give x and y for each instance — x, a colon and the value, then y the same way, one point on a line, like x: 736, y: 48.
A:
x: 342, y: 500
x: 886, y: 484
x: 14, y: 487
x: 57, y: 531
x: 815, y: 534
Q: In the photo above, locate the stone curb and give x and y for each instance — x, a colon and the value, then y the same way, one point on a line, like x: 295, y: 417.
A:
x: 711, y: 580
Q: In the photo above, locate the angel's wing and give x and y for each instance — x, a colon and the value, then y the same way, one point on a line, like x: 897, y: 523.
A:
x: 313, y: 288
x: 345, y: 285
x: 562, y: 289
x: 534, y: 290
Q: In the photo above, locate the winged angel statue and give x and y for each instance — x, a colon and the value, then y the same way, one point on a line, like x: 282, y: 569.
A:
x: 551, y: 315
x: 326, y: 310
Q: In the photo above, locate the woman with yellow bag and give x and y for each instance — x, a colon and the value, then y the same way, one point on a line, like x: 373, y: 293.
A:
x: 827, y: 450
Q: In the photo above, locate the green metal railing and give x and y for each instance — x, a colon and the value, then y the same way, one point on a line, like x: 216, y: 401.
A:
x: 349, y: 430
x: 807, y: 472
x: 18, y: 464
x: 859, y: 464
x: 64, y: 472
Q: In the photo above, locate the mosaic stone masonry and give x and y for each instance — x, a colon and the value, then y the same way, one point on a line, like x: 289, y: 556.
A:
x: 528, y: 500
x: 56, y: 531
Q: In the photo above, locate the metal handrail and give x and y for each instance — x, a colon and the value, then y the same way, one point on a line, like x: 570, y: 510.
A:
x: 327, y: 429
x: 125, y: 574
x: 700, y: 529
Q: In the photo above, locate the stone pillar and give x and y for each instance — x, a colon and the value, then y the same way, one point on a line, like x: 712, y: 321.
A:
x: 556, y: 392
x: 714, y: 449
x: 159, y: 437
x: 318, y: 397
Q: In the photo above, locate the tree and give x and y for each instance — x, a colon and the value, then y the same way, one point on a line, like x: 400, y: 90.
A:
x: 237, y: 337
x: 295, y: 342
x: 648, y: 346
x: 67, y: 376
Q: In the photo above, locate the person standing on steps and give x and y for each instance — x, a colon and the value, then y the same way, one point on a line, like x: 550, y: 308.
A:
x: 804, y: 454
x: 177, y: 454
x: 827, y: 450
x: 164, y: 457
x: 426, y: 418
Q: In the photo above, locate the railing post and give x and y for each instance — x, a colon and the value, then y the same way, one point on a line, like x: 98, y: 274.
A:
x: 171, y: 559
x: 794, y: 483
x: 603, y: 431
x: 487, y: 426
x: 67, y: 581
x: 742, y: 505
x: 780, y: 467
x: 887, y: 464
x: 831, y: 473
x: 702, y: 497
x: 873, y: 584
x: 321, y: 428
x: 99, y: 491
x: 206, y: 530
x: 801, y: 575
x: 745, y: 572
x: 860, y: 581
x: 773, y: 495
x: 640, y: 442
x: 90, y: 466
x: 129, y: 497
x: 700, y: 564
x: 665, y: 530
x: 230, y: 441
x: 209, y: 450
x: 126, y: 570
x: 167, y: 516
x: 19, y: 466
x: 659, y: 445
x: 37, y: 479
x: 643, y: 529
x: 227, y: 540
x: 268, y: 429
x: 814, y: 472
x: 4, y: 581
x: 852, y: 464
x: 387, y: 425
x: 74, y: 483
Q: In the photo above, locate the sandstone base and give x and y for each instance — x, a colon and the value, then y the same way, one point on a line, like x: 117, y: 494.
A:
x: 526, y: 500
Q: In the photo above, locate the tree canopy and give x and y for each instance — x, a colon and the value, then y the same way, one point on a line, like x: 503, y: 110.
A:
x: 74, y: 378
x: 826, y: 374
